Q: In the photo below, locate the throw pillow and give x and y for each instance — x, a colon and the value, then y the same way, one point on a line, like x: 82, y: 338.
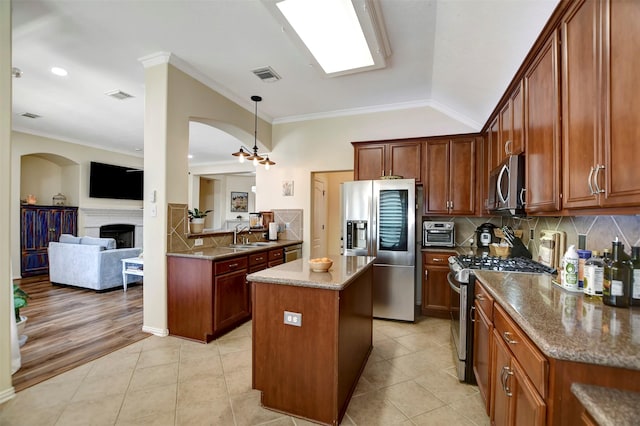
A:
x: 105, y: 243
x: 69, y: 239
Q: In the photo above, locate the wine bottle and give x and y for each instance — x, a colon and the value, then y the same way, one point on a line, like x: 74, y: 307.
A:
x: 617, y: 279
x: 634, y: 264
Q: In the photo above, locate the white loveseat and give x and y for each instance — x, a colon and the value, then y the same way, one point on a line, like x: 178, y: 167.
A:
x: 88, y: 262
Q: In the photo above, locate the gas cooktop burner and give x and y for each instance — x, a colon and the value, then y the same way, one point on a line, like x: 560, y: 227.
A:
x: 512, y: 264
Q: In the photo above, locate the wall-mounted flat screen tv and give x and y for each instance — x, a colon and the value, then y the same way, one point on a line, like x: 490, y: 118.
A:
x: 109, y: 181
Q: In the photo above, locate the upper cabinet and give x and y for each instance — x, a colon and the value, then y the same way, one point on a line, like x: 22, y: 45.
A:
x: 506, y: 131
x: 374, y: 160
x: 542, y: 130
x: 450, y: 176
x: 600, y: 111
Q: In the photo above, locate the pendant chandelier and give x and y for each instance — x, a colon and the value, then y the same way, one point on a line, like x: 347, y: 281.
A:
x: 255, y: 157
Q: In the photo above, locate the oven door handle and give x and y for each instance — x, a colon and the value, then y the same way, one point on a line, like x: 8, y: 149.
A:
x: 452, y: 282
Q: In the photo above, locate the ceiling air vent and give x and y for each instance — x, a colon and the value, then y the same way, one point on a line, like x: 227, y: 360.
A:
x: 119, y: 94
x: 30, y: 115
x: 266, y: 74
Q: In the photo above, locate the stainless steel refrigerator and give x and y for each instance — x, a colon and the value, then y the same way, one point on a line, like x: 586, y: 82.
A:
x: 379, y: 219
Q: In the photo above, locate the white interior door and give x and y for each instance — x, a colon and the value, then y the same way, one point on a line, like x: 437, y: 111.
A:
x: 319, y: 220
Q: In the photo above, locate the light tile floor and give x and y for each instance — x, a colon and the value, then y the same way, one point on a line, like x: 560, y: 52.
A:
x: 409, y: 380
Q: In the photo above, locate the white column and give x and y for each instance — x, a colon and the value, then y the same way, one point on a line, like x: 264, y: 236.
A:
x: 6, y: 388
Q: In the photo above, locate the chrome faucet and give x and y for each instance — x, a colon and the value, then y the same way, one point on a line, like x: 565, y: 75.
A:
x: 239, y: 228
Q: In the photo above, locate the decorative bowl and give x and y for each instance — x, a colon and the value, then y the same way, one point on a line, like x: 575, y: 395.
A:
x: 320, y: 264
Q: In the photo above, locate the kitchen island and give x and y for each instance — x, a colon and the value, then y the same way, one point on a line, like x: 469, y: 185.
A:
x: 545, y: 339
x: 312, y: 335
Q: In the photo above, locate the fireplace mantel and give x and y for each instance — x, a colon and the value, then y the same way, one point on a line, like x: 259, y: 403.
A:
x: 91, y: 219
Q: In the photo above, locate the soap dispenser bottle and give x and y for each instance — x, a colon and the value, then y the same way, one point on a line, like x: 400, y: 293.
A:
x: 570, y: 269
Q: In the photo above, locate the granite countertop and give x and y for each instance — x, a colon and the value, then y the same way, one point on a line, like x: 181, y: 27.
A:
x: 608, y: 406
x: 297, y: 273
x: 219, y: 253
x: 566, y: 325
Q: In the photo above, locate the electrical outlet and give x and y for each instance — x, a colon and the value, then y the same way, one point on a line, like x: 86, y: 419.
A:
x: 198, y: 242
x: 582, y: 241
x: 287, y: 225
x: 293, y: 318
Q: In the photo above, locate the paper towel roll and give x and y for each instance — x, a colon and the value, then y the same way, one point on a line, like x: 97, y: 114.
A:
x: 273, y: 231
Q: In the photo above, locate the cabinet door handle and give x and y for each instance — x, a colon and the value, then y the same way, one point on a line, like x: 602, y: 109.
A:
x: 507, y: 373
x: 507, y: 147
x: 502, y: 378
x: 595, y: 179
x: 473, y: 314
x: 522, y: 200
x: 435, y: 259
x: 589, y: 180
x: 233, y: 265
x: 480, y: 297
x: 509, y: 340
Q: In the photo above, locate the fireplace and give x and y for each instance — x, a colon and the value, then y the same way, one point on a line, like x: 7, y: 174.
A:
x: 123, y: 234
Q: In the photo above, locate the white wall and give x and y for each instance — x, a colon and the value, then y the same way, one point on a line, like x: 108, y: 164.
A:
x: 300, y: 148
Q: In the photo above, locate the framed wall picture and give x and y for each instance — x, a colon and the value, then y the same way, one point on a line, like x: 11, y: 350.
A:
x: 287, y: 188
x: 239, y: 201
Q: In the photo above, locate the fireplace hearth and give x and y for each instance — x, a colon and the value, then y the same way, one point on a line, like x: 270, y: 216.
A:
x: 124, y: 234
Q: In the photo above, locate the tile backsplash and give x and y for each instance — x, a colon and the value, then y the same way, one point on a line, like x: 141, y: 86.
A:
x: 599, y: 231
x: 289, y: 223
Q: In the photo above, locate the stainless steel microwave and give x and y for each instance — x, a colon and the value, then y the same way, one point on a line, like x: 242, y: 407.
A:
x: 506, y: 187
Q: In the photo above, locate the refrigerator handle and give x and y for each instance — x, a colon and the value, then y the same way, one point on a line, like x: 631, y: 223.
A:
x: 374, y: 223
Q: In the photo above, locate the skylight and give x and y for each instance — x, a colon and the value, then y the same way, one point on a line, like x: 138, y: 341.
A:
x: 342, y: 36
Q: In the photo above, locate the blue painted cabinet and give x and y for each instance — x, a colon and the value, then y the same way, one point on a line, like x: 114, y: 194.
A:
x: 38, y: 226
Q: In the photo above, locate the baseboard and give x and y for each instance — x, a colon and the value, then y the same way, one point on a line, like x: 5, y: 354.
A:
x: 7, y: 394
x: 162, y: 332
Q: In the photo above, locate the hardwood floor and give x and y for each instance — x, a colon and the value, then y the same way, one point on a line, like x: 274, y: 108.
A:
x: 68, y: 327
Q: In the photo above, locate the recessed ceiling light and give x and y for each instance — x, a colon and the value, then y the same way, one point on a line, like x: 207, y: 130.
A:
x: 59, y: 71
x: 190, y: 156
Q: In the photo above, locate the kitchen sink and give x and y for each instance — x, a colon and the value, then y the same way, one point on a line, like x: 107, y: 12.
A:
x: 251, y: 245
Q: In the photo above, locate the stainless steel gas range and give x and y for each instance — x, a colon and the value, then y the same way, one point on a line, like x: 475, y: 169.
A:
x: 462, y: 281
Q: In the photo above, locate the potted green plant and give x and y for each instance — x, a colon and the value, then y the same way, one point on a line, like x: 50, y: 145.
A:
x: 196, y: 220
x: 20, y: 301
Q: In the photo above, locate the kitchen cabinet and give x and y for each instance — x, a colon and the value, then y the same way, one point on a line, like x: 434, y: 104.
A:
x: 206, y: 298
x: 600, y: 126
x: 515, y: 400
x: 542, y: 130
x: 450, y: 176
x: 517, y: 397
x: 482, y: 340
x: 507, y: 129
x: 231, y: 294
x: 276, y: 257
x: 374, y: 160
x: 38, y: 226
x: 438, y: 299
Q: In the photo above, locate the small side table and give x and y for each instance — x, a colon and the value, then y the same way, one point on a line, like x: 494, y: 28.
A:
x: 132, y: 266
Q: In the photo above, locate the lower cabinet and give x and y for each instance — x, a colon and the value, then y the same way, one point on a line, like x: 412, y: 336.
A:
x: 482, y: 335
x: 438, y: 299
x: 515, y: 399
x: 231, y: 298
x: 206, y: 298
